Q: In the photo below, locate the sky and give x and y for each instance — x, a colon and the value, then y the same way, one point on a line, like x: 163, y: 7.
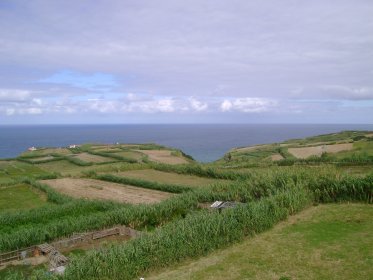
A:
x: 196, y: 61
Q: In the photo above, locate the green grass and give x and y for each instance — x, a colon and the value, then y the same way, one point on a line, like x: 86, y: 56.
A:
x: 25, y: 270
x: 167, y: 177
x: 62, y: 166
x: 21, y: 197
x: 332, y: 137
x: 325, y: 242
x: 46, y: 151
x: 13, y: 170
x: 356, y: 170
x: 131, y: 154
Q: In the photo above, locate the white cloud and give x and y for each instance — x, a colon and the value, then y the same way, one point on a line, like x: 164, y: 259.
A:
x: 14, y: 95
x: 10, y: 111
x: 151, y: 106
x: 226, y: 105
x: 198, y: 105
x: 248, y: 105
x: 348, y: 92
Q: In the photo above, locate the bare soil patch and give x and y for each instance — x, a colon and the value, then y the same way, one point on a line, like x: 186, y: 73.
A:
x: 96, y: 189
x: 92, y: 158
x: 97, y: 244
x: 276, y: 157
x: 369, y: 135
x: 306, y: 152
x: 163, y: 156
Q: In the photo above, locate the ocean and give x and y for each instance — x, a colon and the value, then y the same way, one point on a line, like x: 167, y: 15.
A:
x: 204, y: 142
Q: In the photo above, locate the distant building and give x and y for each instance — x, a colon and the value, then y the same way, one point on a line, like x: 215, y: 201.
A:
x: 32, y: 149
x: 73, y: 146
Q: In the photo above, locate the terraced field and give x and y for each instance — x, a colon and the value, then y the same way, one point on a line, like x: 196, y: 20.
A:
x: 271, y: 230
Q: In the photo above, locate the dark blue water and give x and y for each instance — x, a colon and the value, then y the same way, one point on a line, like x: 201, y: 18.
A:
x: 205, y: 143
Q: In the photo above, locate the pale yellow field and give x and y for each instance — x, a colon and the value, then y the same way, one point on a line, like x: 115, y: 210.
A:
x: 92, y: 158
x: 96, y: 189
x: 163, y: 156
x: 306, y: 152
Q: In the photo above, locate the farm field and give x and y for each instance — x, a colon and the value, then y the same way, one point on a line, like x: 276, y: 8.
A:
x: 21, y: 196
x: 167, y: 177
x: 163, y: 156
x: 269, y: 229
x: 318, y: 150
x: 347, y: 146
x: 95, y: 189
x: 65, y: 167
x: 92, y: 158
x: 13, y: 170
x: 46, y: 151
x: 62, y: 166
x: 324, y: 242
x: 131, y: 154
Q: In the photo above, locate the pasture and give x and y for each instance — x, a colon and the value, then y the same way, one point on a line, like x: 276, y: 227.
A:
x: 21, y: 196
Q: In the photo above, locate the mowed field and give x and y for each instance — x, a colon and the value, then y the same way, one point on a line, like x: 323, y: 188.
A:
x: 332, y: 241
x: 92, y: 158
x: 306, y: 152
x: 163, y: 156
x: 167, y: 177
x: 96, y: 189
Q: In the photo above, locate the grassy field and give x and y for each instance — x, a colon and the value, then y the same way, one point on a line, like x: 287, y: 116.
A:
x: 168, y: 178
x: 46, y: 151
x: 21, y: 197
x: 13, y: 170
x: 131, y: 154
x: 332, y: 241
x: 99, y: 186
x: 62, y: 166
x: 348, y: 146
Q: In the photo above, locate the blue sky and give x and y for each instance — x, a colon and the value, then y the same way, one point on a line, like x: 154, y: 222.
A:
x: 200, y: 61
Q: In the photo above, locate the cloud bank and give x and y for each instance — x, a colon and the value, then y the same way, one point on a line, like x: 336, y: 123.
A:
x: 171, y: 61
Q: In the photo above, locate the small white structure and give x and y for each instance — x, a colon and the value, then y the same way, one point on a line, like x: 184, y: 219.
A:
x: 224, y: 204
x: 73, y: 146
x: 32, y: 149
